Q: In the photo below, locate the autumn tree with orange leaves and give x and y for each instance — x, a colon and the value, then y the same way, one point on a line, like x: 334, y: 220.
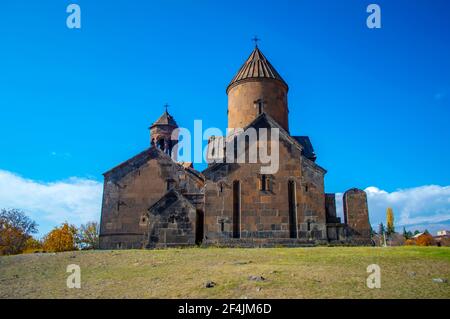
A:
x: 63, y: 238
x: 425, y: 240
x: 15, y: 230
x: 390, y: 221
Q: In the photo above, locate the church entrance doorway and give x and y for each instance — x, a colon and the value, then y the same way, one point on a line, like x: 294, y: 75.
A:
x: 199, y: 222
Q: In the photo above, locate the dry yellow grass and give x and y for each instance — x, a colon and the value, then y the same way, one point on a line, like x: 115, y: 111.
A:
x: 322, y: 272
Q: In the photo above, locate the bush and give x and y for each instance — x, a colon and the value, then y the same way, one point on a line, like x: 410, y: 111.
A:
x: 396, y: 240
x: 32, y: 245
x: 445, y: 241
x: 425, y: 240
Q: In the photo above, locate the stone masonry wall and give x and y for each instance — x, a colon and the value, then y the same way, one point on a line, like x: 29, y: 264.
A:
x: 313, y: 221
x: 128, y: 195
x: 241, y: 106
x: 173, y: 225
x: 356, y: 215
x: 264, y: 214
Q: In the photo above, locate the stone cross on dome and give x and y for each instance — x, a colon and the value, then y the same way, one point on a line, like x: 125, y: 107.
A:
x: 256, y: 39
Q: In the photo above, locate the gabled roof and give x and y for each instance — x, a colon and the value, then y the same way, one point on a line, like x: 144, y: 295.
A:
x: 135, y: 162
x: 261, y: 121
x: 140, y: 159
x: 167, y: 200
x: 165, y: 119
x: 284, y: 135
x: 256, y: 67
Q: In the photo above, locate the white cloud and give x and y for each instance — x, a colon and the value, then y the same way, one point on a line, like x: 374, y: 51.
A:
x: 422, y: 205
x: 75, y: 200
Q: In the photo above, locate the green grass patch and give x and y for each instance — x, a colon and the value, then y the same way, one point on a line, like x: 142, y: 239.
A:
x: 319, y: 272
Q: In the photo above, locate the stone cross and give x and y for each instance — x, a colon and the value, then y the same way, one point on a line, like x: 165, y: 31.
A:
x: 256, y: 39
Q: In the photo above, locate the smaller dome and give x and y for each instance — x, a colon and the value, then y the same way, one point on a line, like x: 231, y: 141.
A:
x: 165, y: 119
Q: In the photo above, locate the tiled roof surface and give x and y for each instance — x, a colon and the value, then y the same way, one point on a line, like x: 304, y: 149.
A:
x: 256, y: 66
x: 165, y: 119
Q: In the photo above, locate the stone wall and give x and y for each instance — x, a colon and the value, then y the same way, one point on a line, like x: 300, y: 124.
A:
x: 131, y: 188
x: 172, y: 222
x: 265, y: 213
x: 356, y: 215
x: 313, y: 220
x: 241, y: 106
x: 336, y: 232
x: 330, y: 208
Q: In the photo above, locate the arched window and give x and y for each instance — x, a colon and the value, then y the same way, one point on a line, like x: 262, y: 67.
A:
x: 259, y: 104
x: 263, y: 182
x: 266, y: 183
x: 170, y: 183
x: 161, y: 144
x: 169, y: 148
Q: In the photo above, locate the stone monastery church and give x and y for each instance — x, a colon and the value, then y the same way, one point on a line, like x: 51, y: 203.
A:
x: 153, y: 201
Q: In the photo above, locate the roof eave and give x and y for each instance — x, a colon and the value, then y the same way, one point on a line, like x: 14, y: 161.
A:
x: 254, y: 79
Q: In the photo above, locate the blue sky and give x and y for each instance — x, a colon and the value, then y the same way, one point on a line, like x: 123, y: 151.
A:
x: 375, y: 103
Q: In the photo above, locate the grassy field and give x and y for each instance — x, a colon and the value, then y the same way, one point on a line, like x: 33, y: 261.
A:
x: 322, y: 272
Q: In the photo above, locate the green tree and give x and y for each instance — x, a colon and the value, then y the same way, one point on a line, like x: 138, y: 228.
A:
x: 32, y: 245
x: 406, y: 234
x: 381, y: 229
x: 88, y: 235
